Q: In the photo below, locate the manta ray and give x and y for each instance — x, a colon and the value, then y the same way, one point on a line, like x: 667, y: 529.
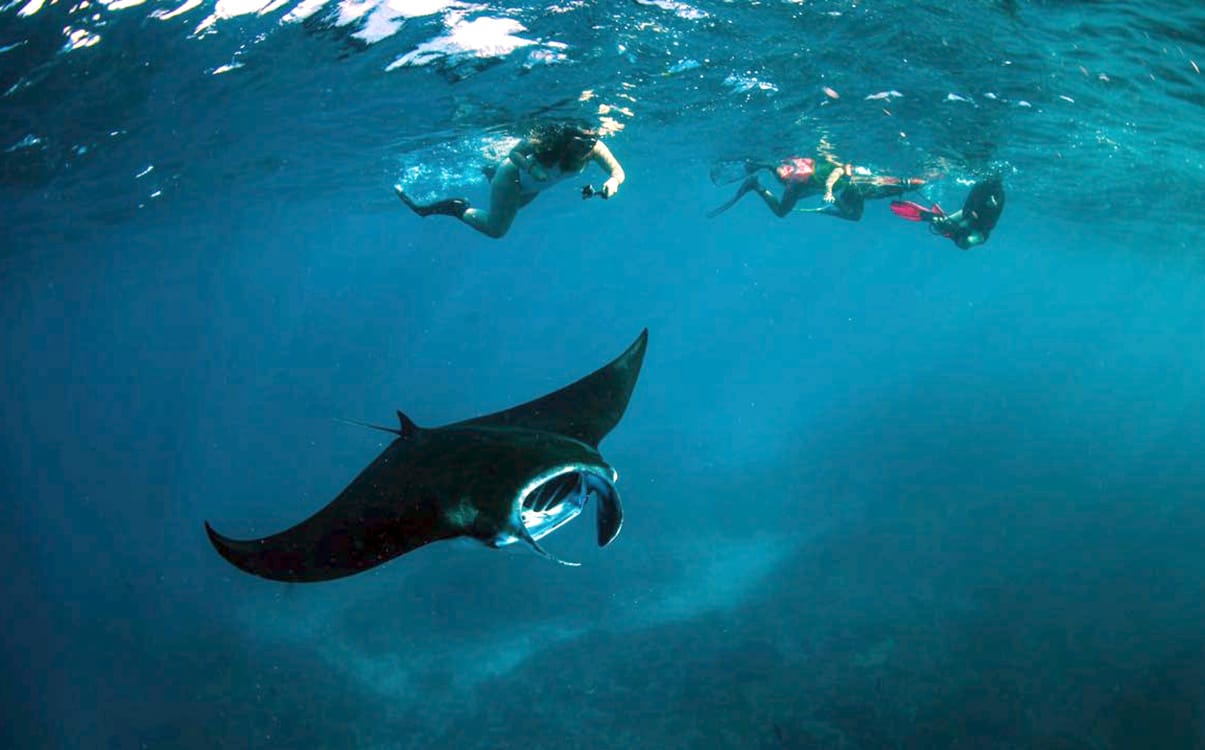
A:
x: 514, y: 476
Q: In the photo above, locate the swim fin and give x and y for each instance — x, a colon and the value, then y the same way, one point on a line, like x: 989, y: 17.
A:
x: 751, y: 183
x: 728, y: 171
x: 449, y: 207
x: 915, y: 211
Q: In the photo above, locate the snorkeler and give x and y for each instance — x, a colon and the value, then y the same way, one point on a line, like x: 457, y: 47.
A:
x: 966, y: 228
x: 801, y: 175
x: 549, y: 154
x: 805, y: 176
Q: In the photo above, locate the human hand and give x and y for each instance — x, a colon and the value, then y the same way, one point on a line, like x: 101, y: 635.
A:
x: 828, y: 197
x: 609, y: 188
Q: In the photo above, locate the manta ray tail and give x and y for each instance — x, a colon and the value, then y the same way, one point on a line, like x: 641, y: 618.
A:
x: 407, y: 428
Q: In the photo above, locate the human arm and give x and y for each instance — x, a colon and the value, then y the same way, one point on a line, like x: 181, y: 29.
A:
x: 521, y: 156
x: 605, y: 159
x: 831, y: 182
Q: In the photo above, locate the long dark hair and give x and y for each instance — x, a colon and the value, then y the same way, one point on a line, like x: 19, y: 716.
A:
x: 567, y: 143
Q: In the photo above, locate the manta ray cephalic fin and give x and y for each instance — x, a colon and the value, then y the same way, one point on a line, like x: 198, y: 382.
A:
x: 545, y: 553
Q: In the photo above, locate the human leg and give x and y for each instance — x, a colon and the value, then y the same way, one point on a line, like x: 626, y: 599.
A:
x: 781, y: 206
x: 505, y: 201
x: 849, y: 205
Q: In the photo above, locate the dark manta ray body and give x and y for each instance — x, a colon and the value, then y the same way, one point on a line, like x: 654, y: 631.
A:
x: 514, y: 476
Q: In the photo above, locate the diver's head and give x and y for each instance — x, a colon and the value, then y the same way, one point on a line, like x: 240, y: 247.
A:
x: 848, y: 169
x: 578, y: 147
x: 567, y: 143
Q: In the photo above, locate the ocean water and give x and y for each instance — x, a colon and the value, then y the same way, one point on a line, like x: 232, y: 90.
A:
x: 879, y: 492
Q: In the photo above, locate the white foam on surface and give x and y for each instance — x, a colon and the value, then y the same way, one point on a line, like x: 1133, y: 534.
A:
x: 32, y: 7
x: 484, y: 37
x: 386, y: 18
x: 180, y: 10
x: 121, y: 4
x: 303, y: 10
x: 79, y: 39
x: 227, y: 9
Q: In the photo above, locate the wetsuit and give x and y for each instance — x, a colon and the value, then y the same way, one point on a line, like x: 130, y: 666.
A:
x: 974, y: 223
x: 802, y: 176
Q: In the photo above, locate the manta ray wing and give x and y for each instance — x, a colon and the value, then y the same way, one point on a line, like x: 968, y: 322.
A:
x: 585, y: 410
x: 382, y: 514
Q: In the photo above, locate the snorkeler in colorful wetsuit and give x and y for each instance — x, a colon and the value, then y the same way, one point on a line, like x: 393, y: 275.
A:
x: 801, y: 175
x: 551, y: 153
x: 845, y: 187
x: 969, y: 227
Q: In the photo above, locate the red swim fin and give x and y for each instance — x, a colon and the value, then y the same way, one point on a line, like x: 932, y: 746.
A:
x: 915, y: 211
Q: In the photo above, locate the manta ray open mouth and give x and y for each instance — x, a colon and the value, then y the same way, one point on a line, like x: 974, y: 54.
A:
x: 556, y: 497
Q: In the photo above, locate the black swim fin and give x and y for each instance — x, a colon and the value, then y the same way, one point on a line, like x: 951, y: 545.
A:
x: 750, y: 184
x: 728, y: 171
x: 448, y: 207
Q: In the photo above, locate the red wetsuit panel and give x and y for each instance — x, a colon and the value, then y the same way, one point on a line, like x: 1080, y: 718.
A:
x: 797, y: 169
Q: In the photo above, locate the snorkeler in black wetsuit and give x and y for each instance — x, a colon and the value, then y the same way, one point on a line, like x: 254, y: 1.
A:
x: 969, y: 227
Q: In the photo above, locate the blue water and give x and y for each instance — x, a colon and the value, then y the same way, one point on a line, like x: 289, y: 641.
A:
x: 880, y: 493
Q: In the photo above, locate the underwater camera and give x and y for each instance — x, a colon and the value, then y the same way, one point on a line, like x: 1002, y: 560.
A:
x: 588, y: 191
